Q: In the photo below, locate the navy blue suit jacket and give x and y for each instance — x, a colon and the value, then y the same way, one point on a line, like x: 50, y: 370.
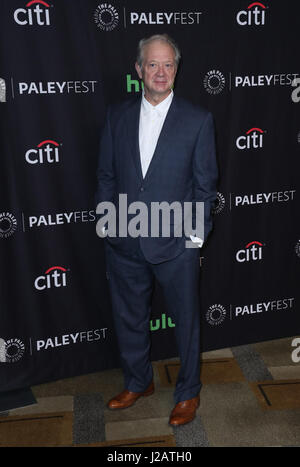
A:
x: 183, y: 168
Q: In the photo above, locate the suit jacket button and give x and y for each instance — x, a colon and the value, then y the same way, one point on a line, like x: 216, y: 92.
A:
x: 142, y: 188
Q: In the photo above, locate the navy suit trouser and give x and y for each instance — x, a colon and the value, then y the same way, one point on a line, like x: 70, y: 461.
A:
x: 131, y: 282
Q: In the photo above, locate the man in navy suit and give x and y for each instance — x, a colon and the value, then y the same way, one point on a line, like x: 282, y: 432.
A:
x: 157, y: 148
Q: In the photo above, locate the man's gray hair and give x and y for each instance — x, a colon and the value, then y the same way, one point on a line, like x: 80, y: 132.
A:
x: 157, y: 37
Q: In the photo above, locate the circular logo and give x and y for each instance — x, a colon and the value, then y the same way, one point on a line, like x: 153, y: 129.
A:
x: 106, y: 17
x: 297, y: 248
x: 14, y: 350
x: 2, y: 90
x: 8, y: 224
x: 214, y: 82
x: 298, y: 137
x: 219, y: 204
x: 215, y: 315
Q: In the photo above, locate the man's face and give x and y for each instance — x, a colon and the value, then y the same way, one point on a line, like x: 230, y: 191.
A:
x: 158, y: 70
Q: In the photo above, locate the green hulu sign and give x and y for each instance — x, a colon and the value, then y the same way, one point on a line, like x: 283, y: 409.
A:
x: 162, y: 323
x: 133, y: 85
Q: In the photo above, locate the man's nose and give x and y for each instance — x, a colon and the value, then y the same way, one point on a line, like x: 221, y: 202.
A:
x: 160, y: 70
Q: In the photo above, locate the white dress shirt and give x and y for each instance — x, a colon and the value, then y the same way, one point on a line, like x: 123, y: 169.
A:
x: 152, y: 118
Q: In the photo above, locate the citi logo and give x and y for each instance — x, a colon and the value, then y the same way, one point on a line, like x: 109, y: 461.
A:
x: 54, y: 277
x: 254, y: 15
x: 35, y: 13
x: 252, y: 140
x: 47, y: 152
x: 252, y: 252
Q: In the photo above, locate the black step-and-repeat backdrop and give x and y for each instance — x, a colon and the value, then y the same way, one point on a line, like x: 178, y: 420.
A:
x: 61, y: 63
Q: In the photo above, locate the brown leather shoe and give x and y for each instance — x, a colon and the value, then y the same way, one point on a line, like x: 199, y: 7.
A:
x: 184, y: 412
x: 127, y: 398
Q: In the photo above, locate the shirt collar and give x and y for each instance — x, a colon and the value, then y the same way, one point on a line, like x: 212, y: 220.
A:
x: 160, y: 108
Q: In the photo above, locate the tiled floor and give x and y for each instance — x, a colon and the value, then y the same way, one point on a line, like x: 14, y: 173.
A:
x: 250, y: 397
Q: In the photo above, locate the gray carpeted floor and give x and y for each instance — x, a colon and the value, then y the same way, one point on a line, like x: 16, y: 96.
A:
x: 250, y: 397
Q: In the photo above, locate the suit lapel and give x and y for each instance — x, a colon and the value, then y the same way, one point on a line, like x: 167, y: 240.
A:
x: 133, y: 120
x: 165, y: 139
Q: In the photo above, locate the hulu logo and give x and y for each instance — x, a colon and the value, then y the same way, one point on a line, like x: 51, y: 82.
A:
x: 161, y: 323
x: 133, y: 85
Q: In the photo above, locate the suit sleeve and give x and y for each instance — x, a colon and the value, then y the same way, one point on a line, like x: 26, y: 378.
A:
x: 205, y: 171
x: 105, y: 171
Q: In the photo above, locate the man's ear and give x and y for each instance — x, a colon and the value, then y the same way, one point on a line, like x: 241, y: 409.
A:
x: 138, y: 70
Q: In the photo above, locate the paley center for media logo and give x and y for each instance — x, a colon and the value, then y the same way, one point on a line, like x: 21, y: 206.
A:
x: 254, y: 199
x: 8, y: 224
x: 79, y: 337
x: 239, y: 200
x: 11, y: 350
x: 219, y: 204
x: 31, y: 88
x: 215, y: 80
x: 56, y: 87
x: 2, y: 90
x: 107, y: 17
x: 55, y: 219
x: 34, y: 13
x: 217, y: 314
